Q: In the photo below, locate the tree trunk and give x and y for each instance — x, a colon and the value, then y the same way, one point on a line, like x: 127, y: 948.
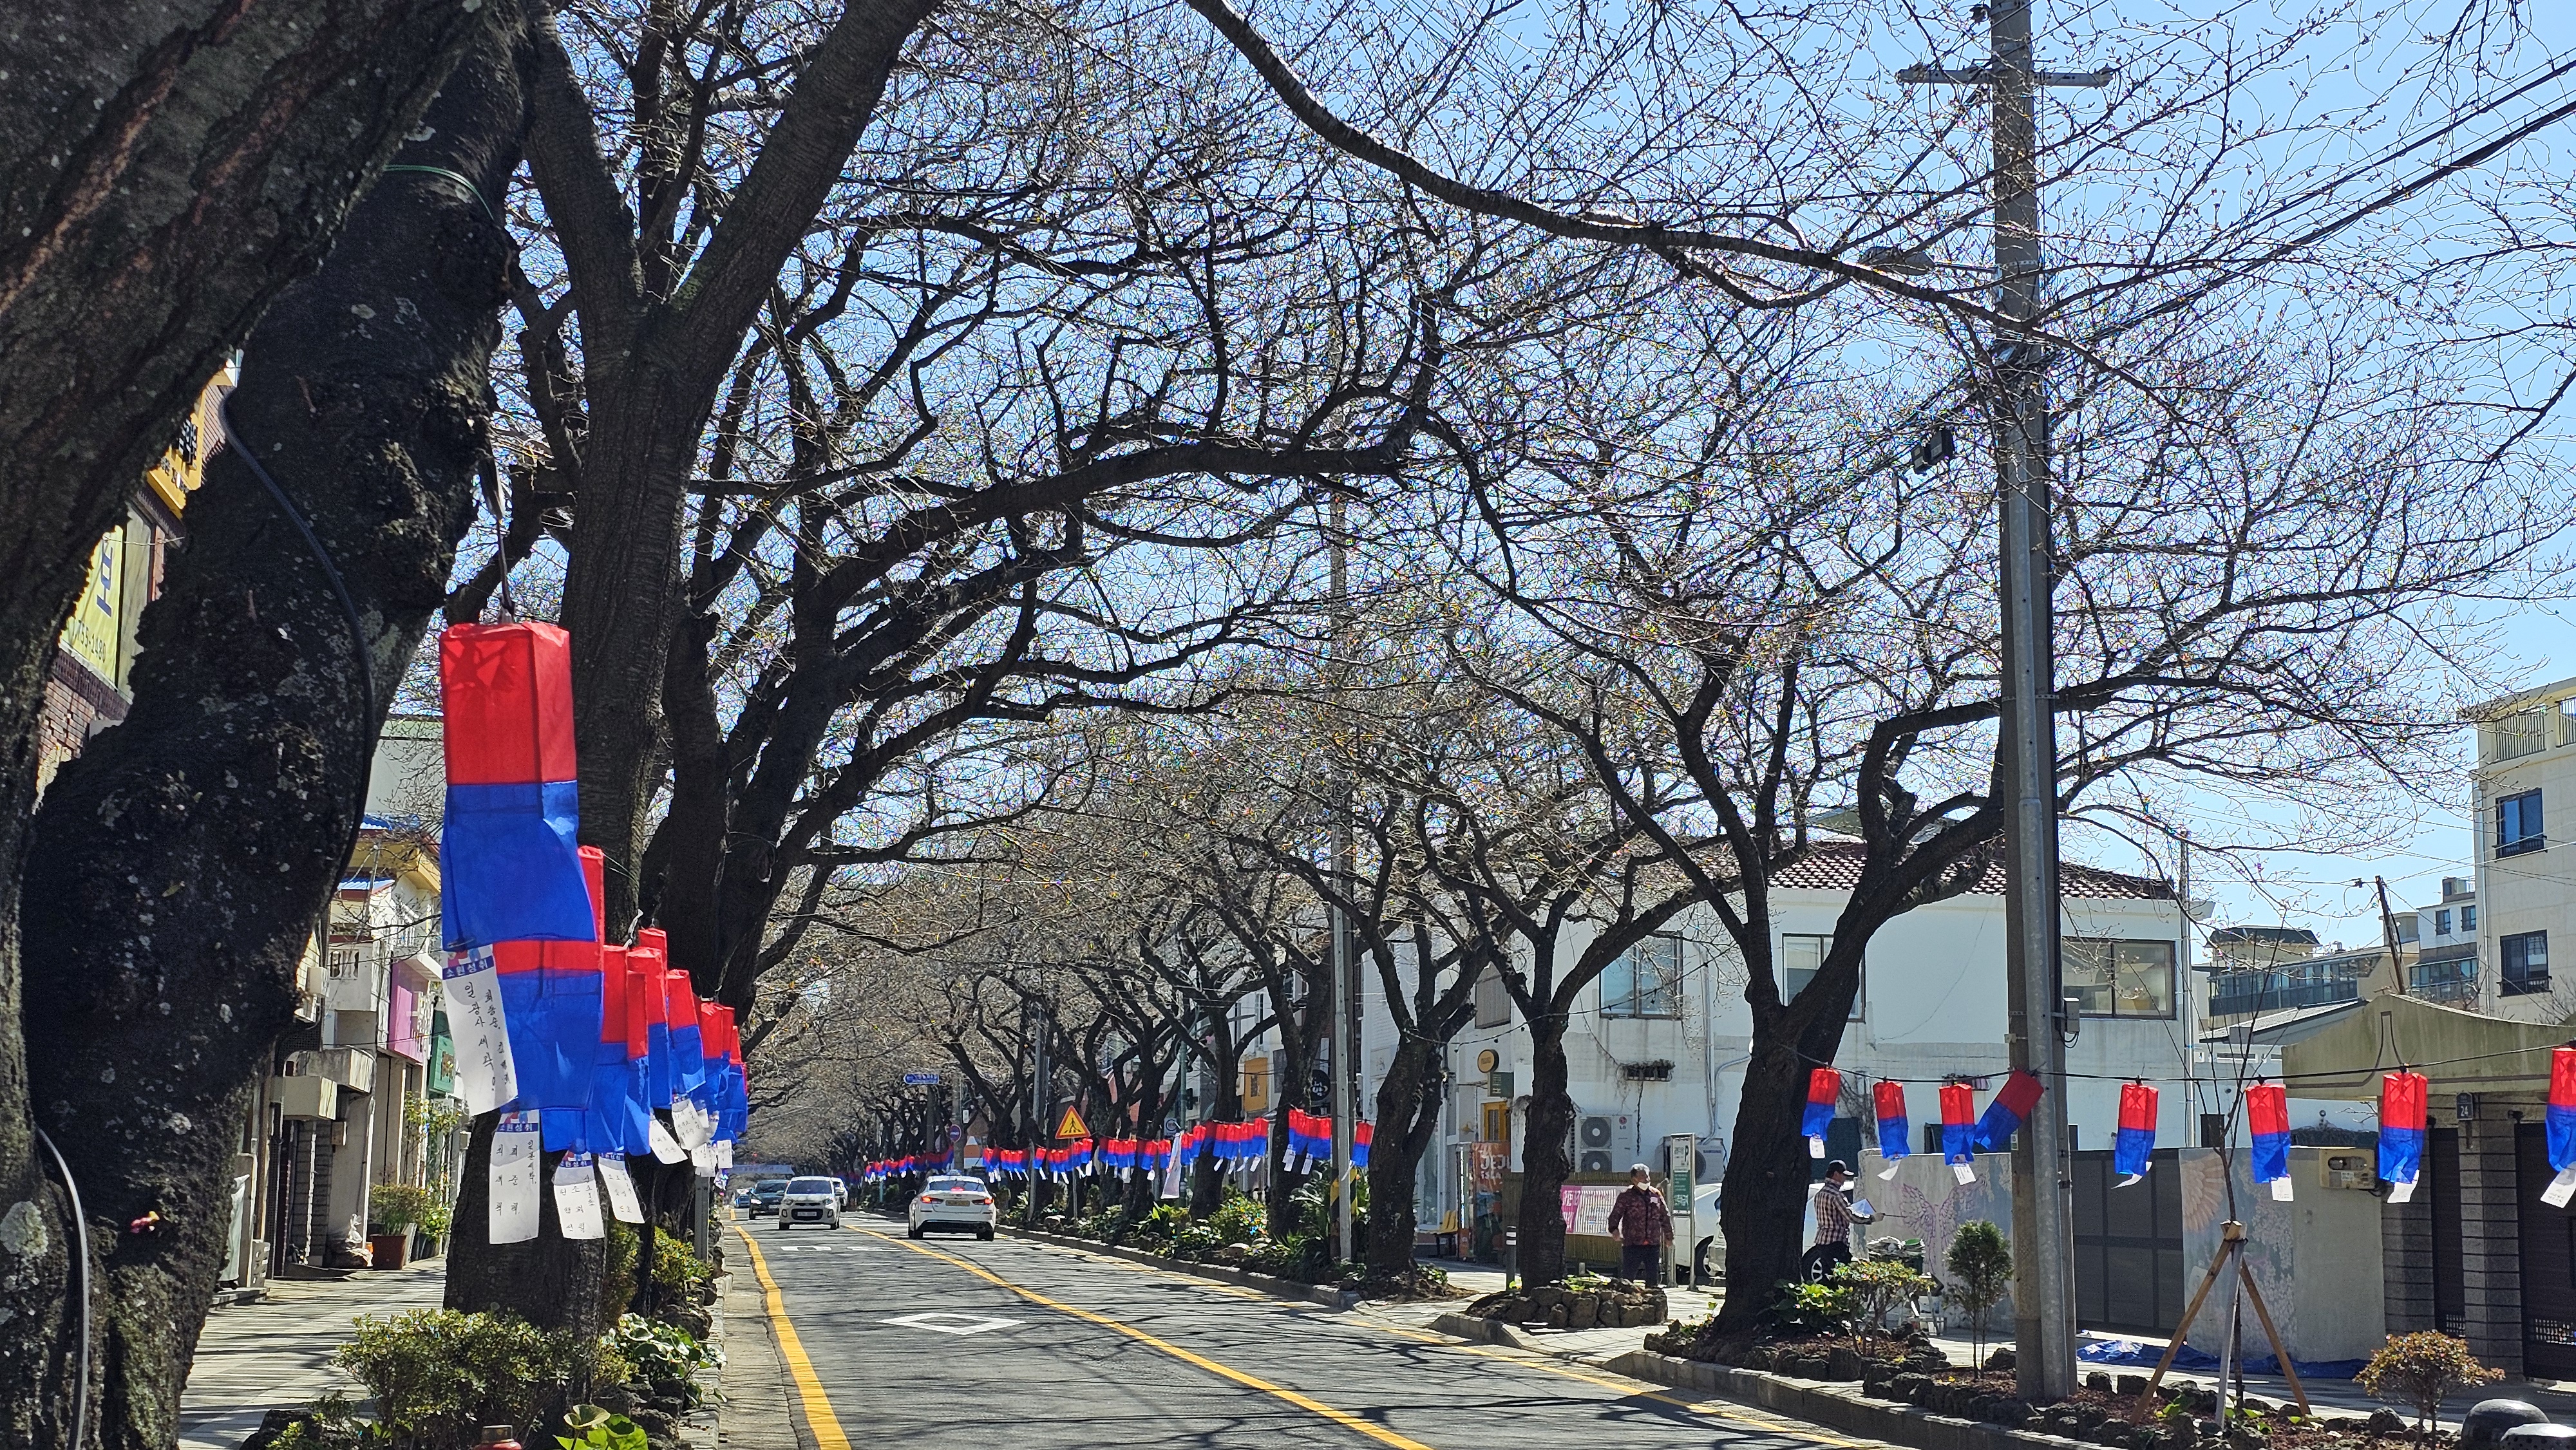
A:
x: 217, y: 817
x: 550, y: 1281
x: 1544, y: 1164
x: 1764, y: 1192
x: 1408, y: 1118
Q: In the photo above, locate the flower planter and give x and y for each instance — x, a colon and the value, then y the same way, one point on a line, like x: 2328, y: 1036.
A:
x: 389, y: 1251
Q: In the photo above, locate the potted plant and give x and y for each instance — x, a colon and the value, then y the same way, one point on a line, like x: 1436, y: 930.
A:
x: 393, y: 1209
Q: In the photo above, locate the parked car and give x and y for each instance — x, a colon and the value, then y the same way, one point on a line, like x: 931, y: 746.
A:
x: 954, y: 1203
x: 815, y: 1201
x: 765, y: 1196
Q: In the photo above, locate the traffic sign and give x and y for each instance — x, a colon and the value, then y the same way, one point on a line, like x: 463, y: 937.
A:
x: 920, y: 1079
x: 1072, y: 1126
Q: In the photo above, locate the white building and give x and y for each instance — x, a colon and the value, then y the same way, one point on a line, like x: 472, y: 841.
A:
x: 2526, y: 757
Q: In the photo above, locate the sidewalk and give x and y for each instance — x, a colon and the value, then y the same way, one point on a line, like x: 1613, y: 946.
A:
x: 1597, y: 1347
x: 276, y: 1352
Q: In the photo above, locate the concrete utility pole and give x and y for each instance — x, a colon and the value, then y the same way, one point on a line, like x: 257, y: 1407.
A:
x: 1040, y: 1100
x: 2043, y: 1208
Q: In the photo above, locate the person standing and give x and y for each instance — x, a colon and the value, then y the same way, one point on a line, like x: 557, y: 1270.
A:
x: 1643, y: 1225
x: 1834, y: 1220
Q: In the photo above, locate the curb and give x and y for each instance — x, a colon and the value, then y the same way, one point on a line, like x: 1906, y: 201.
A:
x: 1336, y: 1299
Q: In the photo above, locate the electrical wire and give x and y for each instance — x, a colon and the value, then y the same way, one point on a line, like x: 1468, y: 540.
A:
x: 80, y: 1240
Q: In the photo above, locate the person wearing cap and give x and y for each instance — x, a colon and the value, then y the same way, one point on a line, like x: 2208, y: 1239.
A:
x: 1834, y: 1220
x: 1643, y: 1225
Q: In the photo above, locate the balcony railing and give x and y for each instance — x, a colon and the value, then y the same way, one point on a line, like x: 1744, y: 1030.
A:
x: 2266, y: 998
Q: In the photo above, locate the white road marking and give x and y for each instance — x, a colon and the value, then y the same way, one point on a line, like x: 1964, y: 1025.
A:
x: 942, y: 1321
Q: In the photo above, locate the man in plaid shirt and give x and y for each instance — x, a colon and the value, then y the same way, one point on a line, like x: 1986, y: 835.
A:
x: 1644, y: 1225
x: 1834, y: 1220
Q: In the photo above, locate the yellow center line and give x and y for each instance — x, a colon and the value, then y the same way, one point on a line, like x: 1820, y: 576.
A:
x: 818, y: 1408
x: 1343, y: 1418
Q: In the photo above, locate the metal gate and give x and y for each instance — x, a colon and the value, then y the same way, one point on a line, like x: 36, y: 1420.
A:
x: 2128, y: 1246
x: 2548, y: 1264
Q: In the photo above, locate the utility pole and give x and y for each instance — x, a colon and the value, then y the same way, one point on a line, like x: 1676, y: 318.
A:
x: 2043, y: 1207
x: 1036, y: 1016
x: 1345, y: 966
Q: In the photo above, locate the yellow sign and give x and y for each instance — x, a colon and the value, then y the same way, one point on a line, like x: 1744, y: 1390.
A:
x: 1072, y: 1126
x: 94, y: 634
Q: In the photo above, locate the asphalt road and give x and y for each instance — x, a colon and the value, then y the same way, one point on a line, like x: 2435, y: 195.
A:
x: 1035, y: 1347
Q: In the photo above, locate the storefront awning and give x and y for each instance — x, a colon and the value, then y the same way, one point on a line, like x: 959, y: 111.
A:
x: 2458, y: 1050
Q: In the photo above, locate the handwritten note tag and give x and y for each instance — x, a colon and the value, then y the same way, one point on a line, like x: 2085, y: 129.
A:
x: 485, y: 1076
x: 577, y: 1198
x: 621, y: 1188
x: 516, y: 1154
x: 665, y: 1147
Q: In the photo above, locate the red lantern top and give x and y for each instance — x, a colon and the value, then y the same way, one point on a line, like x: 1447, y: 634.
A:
x: 506, y: 690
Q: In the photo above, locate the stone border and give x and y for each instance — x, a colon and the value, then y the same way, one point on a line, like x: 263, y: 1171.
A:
x: 1828, y: 1403
x: 1337, y: 1299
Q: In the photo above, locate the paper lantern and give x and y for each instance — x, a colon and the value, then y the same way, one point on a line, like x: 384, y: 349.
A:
x: 1958, y: 1129
x: 1361, y: 1134
x: 2401, y: 1132
x: 1893, y: 1125
x: 2134, y: 1145
x: 2267, y: 1112
x: 509, y: 863
x: 2006, y: 1114
x: 1824, y: 1089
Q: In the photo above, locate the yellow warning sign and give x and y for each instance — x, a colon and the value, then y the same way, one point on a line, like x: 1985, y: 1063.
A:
x: 1072, y: 1126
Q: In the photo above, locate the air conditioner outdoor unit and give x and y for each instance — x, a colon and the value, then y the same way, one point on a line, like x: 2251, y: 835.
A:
x: 1597, y: 1140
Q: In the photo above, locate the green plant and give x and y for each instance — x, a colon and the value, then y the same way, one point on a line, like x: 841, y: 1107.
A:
x: 438, y: 1375
x: 1981, y: 1269
x: 617, y: 1275
x: 1813, y: 1308
x: 664, y: 1354
x: 1877, y: 1286
x: 438, y: 1120
x: 393, y: 1207
x: 1238, y: 1220
x: 595, y: 1428
x: 2422, y: 1370
x: 679, y: 1276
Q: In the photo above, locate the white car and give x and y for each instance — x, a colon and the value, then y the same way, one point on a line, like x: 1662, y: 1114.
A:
x: 956, y: 1204
x: 816, y: 1201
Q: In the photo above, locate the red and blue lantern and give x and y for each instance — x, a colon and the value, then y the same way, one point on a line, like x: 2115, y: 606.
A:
x: 1958, y: 1130
x: 2267, y: 1112
x: 2133, y: 1147
x: 550, y: 1004
x: 1824, y: 1089
x: 2010, y: 1109
x: 1361, y: 1133
x: 509, y: 864
x: 648, y: 977
x: 2561, y: 1117
x: 2401, y: 1132
x: 1894, y: 1127
x: 616, y: 1075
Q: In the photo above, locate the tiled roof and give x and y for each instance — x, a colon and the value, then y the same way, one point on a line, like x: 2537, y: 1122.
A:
x: 1835, y: 866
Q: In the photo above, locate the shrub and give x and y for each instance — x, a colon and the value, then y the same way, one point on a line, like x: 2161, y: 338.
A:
x: 617, y: 1275
x: 679, y: 1275
x: 393, y: 1207
x: 1877, y: 1286
x: 1981, y: 1268
x: 439, y: 1375
x: 1812, y: 1308
x: 2422, y: 1370
x: 1237, y: 1221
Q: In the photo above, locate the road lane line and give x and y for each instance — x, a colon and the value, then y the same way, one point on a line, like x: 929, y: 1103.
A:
x: 818, y: 1408
x: 1343, y: 1418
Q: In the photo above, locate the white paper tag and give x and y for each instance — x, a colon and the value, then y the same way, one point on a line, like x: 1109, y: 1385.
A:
x: 485, y: 1076
x: 515, y: 1163
x: 621, y: 1188
x: 703, y: 1159
x: 691, y: 1123
x: 2401, y: 1192
x: 724, y: 1153
x: 1963, y: 1172
x: 2561, y: 1188
x: 1894, y: 1167
x: 1815, y: 1147
x: 2281, y: 1190
x: 665, y: 1147
x: 2131, y: 1181
x: 577, y: 1198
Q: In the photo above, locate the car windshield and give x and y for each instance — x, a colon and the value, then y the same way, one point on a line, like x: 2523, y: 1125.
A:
x: 772, y: 1188
x: 809, y: 1185
x: 957, y: 1185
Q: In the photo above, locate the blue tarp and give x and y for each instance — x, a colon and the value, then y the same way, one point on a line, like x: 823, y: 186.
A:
x: 2130, y: 1352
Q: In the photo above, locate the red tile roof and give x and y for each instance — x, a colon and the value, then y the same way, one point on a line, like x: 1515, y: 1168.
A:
x: 1835, y: 866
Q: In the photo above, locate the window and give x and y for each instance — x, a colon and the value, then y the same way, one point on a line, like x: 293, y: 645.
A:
x: 1646, y: 980
x: 2441, y: 923
x: 2108, y: 978
x: 2526, y: 963
x: 1801, y: 957
x: 2468, y: 918
x: 344, y: 961
x: 2518, y: 824
x: 1498, y: 1123
x: 1493, y: 1000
